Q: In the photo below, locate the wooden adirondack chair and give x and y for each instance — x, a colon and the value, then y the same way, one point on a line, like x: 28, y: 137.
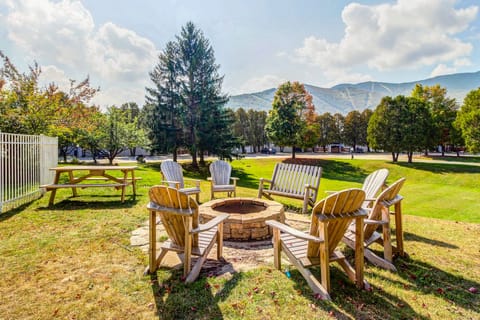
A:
x: 294, y: 181
x: 330, y: 219
x: 179, y: 215
x: 379, y: 215
x: 373, y: 183
x: 220, y: 179
x: 173, y: 175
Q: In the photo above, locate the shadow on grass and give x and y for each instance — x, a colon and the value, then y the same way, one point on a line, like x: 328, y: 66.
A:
x: 12, y: 212
x: 175, y: 299
x: 350, y: 302
x: 425, y: 278
x: 417, y: 238
x: 440, y: 167
x: 453, y: 158
x: 334, y: 169
x: 76, y: 204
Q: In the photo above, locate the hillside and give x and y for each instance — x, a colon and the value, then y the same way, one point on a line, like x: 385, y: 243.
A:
x: 344, y: 98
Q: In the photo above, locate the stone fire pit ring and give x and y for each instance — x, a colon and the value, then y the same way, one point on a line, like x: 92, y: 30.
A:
x: 247, y: 217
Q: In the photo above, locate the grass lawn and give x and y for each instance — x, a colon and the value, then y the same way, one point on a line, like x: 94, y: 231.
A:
x: 74, y: 260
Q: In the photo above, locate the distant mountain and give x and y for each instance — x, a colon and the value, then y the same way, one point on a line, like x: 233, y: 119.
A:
x: 344, y: 98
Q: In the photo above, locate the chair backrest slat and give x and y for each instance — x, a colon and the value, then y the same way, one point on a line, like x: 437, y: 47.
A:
x: 292, y: 178
x: 341, y: 208
x: 374, y: 183
x: 220, y: 171
x: 383, y: 201
x: 172, y: 171
x: 175, y: 224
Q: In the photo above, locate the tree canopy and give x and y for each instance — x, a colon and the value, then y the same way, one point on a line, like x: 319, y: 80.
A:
x: 287, y: 119
x: 468, y: 120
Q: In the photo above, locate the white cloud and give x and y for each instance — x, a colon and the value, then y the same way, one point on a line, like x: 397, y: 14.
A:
x: 53, y: 74
x: 63, y: 35
x: 261, y: 83
x: 393, y: 36
x: 442, y: 69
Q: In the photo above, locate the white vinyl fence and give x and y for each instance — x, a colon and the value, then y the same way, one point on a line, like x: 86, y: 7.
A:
x: 24, y: 166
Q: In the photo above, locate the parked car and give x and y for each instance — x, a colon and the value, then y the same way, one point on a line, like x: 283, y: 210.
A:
x: 268, y: 150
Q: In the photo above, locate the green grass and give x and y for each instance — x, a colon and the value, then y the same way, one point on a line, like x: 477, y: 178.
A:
x: 74, y: 260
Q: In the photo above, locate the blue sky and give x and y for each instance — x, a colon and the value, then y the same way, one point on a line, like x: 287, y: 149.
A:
x: 258, y: 43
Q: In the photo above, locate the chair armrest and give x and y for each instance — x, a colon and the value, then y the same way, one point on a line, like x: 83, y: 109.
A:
x: 294, y: 232
x: 210, y: 224
x: 209, y: 179
x: 379, y: 222
x: 308, y: 186
x: 177, y: 183
x: 234, y: 178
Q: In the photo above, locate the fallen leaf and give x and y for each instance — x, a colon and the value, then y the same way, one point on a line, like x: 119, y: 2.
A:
x: 193, y: 309
x: 207, y: 285
x: 151, y: 306
x: 400, y: 305
x: 440, y: 290
x: 473, y: 290
x: 313, y: 306
x: 273, y: 293
x: 331, y: 314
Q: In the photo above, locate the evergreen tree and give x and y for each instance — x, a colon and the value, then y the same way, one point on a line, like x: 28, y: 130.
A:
x: 188, y: 97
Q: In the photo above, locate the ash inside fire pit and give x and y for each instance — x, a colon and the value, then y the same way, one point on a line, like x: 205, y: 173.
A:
x: 241, y: 208
x: 247, y: 217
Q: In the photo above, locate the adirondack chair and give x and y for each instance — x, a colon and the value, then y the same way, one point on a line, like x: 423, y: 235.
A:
x: 173, y: 175
x: 372, y: 184
x: 220, y: 179
x: 179, y: 215
x: 293, y: 181
x: 379, y: 215
x: 330, y: 219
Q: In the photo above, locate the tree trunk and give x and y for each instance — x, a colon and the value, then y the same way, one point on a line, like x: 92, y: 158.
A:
x: 426, y: 152
x: 175, y: 154
x: 133, y: 151
x: 410, y: 156
x: 394, y: 156
x: 293, y: 152
x: 443, y: 150
x: 202, y: 158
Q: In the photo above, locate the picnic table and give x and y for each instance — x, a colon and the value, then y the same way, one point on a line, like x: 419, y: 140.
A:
x: 92, y: 173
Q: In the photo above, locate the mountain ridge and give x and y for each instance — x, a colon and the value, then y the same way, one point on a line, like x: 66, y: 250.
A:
x: 345, y: 97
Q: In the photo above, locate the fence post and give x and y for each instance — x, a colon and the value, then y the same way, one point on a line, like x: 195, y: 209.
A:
x: 2, y: 173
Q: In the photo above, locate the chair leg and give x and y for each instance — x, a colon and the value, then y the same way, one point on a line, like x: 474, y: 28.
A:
x: 220, y: 241
x: 387, y: 241
x: 324, y: 258
x: 277, y: 249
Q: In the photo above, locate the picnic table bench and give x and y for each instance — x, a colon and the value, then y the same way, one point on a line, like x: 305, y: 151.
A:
x: 95, y: 173
x: 294, y: 181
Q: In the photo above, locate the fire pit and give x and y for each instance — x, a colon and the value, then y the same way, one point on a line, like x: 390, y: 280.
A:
x: 247, y: 217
